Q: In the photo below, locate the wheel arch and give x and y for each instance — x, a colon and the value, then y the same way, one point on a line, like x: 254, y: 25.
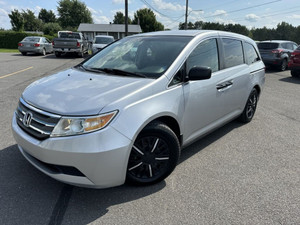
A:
x: 171, y: 123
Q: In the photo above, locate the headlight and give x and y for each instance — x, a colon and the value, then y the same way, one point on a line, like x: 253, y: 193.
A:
x: 80, y: 125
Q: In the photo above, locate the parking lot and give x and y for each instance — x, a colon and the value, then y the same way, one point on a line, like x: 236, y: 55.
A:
x: 239, y: 174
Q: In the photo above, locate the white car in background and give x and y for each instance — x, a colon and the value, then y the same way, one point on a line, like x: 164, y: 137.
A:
x: 100, y: 41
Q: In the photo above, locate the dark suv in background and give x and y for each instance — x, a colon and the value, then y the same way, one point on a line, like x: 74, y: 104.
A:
x: 276, y: 53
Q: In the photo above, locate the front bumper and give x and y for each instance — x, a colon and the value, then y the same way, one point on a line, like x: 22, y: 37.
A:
x: 101, y: 157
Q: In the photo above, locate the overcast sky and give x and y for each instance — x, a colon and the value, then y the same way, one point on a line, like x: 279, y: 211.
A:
x: 251, y: 13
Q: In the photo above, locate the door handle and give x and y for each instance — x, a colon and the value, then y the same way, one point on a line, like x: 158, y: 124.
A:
x: 224, y: 86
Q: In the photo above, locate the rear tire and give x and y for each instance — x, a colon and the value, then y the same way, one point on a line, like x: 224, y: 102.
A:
x: 283, y: 65
x: 294, y: 73
x: 44, y: 52
x: 154, y: 155
x: 250, y: 107
x: 57, y: 54
x: 24, y: 53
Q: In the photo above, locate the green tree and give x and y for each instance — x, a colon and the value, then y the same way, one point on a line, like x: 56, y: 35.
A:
x: 47, y: 16
x: 31, y: 22
x: 16, y: 20
x: 147, y: 20
x: 119, y: 18
x: 51, y: 28
x: 72, y: 13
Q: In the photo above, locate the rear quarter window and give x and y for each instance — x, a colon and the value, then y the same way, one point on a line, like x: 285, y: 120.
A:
x: 251, y: 54
x: 233, y: 52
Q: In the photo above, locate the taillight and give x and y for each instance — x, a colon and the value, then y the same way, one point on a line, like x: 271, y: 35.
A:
x: 277, y: 51
x: 52, y: 43
x: 20, y: 44
x: 78, y: 44
x: 36, y: 45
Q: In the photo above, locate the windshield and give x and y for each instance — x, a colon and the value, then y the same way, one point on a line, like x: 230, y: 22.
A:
x: 103, y: 40
x: 149, y: 56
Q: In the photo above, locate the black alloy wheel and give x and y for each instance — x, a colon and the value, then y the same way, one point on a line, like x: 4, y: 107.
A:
x: 154, y: 155
x: 283, y: 65
x: 250, y: 107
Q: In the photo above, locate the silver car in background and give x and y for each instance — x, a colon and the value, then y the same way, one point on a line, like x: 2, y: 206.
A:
x: 126, y: 113
x: 100, y: 41
x: 35, y: 44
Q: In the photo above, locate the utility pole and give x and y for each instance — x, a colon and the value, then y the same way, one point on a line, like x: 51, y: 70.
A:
x: 126, y: 17
x: 186, y: 13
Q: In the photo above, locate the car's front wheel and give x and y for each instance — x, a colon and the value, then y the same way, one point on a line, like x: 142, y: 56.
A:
x: 250, y: 107
x: 154, y: 155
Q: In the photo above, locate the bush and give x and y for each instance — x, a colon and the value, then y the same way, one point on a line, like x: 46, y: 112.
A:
x: 10, y: 39
x: 51, y: 28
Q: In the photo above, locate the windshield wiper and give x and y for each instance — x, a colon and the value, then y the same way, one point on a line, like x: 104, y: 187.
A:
x: 80, y: 66
x: 119, y: 72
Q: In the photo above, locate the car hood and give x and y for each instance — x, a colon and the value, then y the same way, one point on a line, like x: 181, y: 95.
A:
x: 99, y: 45
x: 74, y: 92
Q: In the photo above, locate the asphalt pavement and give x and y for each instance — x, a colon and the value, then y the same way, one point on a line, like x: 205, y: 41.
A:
x: 239, y: 174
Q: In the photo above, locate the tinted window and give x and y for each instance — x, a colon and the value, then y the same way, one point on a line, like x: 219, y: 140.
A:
x: 205, y: 54
x: 70, y: 35
x: 32, y: 39
x: 267, y: 45
x: 233, y: 52
x: 251, y: 53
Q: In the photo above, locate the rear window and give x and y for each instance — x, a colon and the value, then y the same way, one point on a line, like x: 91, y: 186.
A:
x: 70, y: 35
x: 267, y: 45
x: 103, y: 40
x: 31, y: 39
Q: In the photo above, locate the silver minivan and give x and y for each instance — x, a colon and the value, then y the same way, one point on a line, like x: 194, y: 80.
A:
x: 125, y: 113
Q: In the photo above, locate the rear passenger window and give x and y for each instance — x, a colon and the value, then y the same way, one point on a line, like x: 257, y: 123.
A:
x: 251, y: 54
x: 233, y: 52
x: 205, y: 54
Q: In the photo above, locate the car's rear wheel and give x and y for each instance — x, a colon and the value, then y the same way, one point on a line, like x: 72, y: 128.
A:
x: 154, y: 155
x: 24, y: 53
x: 44, y: 52
x: 250, y: 107
x: 283, y: 65
x: 57, y: 54
x: 295, y: 73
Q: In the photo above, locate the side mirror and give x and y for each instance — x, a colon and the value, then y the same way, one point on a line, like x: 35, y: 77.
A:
x: 200, y: 73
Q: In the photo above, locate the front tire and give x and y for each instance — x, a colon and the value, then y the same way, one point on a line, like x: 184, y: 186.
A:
x: 154, y: 155
x: 250, y: 107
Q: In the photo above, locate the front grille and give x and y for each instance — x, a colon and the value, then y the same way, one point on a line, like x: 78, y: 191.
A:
x: 42, y: 123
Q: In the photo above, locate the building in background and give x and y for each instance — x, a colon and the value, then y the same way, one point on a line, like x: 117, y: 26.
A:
x: 116, y: 30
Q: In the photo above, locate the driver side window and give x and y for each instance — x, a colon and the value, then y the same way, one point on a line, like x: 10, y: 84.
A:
x: 205, y: 54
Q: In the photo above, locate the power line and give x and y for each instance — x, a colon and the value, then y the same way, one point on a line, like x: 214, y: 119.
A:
x: 238, y: 10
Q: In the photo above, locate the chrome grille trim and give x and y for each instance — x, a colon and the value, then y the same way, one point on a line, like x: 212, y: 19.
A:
x: 42, y: 123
